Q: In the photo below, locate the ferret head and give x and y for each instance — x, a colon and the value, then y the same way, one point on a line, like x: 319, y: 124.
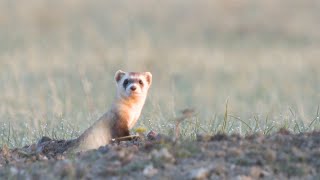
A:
x: 133, y: 84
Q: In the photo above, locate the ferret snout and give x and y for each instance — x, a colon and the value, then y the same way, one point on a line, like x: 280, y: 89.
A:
x: 133, y: 88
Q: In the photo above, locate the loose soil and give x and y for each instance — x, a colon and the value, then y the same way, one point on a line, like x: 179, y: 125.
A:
x: 281, y: 155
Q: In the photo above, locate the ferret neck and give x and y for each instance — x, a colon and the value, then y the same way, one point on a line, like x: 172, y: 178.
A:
x: 130, y: 104
x: 128, y: 110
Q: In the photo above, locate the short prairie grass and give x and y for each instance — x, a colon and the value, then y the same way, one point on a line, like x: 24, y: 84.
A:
x: 244, y: 67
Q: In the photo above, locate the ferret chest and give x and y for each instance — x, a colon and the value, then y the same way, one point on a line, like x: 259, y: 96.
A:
x: 133, y: 116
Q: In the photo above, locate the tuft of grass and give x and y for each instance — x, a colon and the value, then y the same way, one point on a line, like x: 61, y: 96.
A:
x: 225, y: 119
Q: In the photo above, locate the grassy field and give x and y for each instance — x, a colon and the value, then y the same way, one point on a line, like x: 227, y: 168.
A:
x: 244, y: 66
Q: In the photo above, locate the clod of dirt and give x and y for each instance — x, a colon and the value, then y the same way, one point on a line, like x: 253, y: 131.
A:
x: 64, y: 168
x: 125, y: 156
x: 149, y: 171
x: 203, y: 137
x: 152, y: 135
x: 257, y: 172
x: 163, y: 155
x: 270, y: 155
x: 199, y: 174
x: 219, y: 137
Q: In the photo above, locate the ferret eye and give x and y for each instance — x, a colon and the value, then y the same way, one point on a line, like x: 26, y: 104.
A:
x: 140, y: 82
x: 125, y: 82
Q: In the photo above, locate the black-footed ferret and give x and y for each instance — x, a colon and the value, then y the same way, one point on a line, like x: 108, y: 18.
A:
x: 132, y: 90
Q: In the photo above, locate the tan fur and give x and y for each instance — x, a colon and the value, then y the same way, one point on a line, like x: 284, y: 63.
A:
x: 122, y: 116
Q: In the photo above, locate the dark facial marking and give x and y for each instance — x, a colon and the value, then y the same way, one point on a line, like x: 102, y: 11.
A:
x: 133, y: 73
x: 141, y: 82
x: 127, y: 82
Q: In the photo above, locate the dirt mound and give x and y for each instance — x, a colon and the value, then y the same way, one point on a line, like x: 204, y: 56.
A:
x: 280, y: 155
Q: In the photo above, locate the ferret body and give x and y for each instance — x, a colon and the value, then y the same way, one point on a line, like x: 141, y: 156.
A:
x: 132, y: 89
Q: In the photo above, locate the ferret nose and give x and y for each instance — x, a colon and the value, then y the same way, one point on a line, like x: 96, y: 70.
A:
x: 133, y: 88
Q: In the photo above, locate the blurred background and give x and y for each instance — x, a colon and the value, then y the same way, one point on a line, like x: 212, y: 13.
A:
x: 259, y: 60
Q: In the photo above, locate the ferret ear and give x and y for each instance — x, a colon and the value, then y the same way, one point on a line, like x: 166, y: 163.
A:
x: 119, y: 74
x: 148, y: 77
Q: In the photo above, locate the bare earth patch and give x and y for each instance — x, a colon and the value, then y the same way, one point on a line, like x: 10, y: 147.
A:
x: 281, y: 155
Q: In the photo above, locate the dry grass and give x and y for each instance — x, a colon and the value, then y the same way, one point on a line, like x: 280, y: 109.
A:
x: 57, y: 61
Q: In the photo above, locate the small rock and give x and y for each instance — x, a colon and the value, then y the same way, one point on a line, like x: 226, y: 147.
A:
x: 152, y: 135
x: 42, y: 157
x: 298, y: 153
x: 199, y: 174
x: 203, y: 137
x: 163, y: 154
x: 64, y: 168
x: 33, y: 158
x: 217, y: 177
x: 219, y: 137
x: 125, y: 156
x: 123, y: 144
x: 219, y: 169
x: 60, y: 157
x: 122, y: 153
x: 270, y: 155
x: 235, y: 151
x: 112, y: 168
x: 14, y: 171
x: 149, y: 171
x: 168, y: 166
x: 160, y: 138
x: 81, y: 170
x: 220, y: 154
x: 104, y: 149
x: 243, y: 177
x: 284, y: 131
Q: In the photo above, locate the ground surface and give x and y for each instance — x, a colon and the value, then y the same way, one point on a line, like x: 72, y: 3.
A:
x: 58, y: 59
x: 279, y: 155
